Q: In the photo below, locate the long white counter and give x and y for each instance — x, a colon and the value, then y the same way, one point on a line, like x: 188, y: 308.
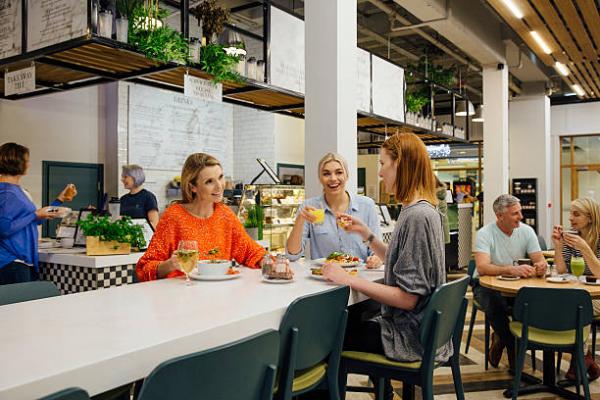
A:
x: 73, y: 271
x: 102, y: 339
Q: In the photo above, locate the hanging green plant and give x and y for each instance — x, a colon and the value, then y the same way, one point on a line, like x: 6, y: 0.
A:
x: 415, y: 102
x: 220, y: 62
x: 436, y: 74
x: 151, y: 36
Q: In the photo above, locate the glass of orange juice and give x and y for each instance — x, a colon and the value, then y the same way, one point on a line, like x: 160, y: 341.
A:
x: 319, y: 214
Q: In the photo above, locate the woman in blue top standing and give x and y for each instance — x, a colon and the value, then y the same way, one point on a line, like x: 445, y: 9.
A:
x: 316, y: 220
x: 19, y: 218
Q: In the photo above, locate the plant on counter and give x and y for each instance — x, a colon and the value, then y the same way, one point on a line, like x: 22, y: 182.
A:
x: 221, y: 62
x: 152, y: 37
x: 210, y: 17
x: 121, y: 230
x: 255, y: 219
x: 127, y: 7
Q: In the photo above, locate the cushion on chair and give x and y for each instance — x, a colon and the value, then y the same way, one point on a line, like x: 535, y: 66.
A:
x: 380, y: 359
x: 542, y: 336
x: 306, y: 378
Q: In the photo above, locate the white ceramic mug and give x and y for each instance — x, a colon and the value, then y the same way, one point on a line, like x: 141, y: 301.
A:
x: 67, y: 243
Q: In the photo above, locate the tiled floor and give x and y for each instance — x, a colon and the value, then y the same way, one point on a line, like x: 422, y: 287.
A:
x: 478, y: 383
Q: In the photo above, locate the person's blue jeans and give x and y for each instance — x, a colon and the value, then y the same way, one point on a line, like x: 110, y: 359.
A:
x: 16, y: 272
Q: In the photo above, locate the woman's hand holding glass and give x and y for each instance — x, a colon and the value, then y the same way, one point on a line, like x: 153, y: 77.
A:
x: 311, y: 215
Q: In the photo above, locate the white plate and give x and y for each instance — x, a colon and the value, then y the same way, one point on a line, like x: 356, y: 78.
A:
x: 378, y: 269
x: 597, y: 283
x: 508, y: 278
x: 199, y: 277
x: 558, y: 279
x: 309, y: 274
x: 277, y: 281
x: 323, y: 261
x: 48, y: 245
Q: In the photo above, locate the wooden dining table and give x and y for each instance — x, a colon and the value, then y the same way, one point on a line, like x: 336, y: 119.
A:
x: 510, y: 289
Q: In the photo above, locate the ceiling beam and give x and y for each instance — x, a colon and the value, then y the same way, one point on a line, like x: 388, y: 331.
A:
x: 383, y: 40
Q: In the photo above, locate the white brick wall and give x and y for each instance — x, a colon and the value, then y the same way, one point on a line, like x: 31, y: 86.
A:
x: 253, y: 137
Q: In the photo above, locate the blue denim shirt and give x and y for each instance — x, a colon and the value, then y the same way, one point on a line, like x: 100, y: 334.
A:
x: 18, y: 226
x: 328, y: 237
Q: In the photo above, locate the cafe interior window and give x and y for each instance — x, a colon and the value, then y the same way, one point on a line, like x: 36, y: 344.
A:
x: 580, y: 170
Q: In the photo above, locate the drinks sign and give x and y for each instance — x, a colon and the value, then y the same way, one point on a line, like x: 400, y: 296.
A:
x: 202, y: 89
x: 19, y: 81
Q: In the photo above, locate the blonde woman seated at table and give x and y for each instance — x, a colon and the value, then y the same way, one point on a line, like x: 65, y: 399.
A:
x: 323, y: 232
x: 583, y: 240
x: 414, y: 258
x: 200, y: 216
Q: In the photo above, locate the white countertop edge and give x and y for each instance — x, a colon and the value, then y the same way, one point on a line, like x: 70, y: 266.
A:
x: 90, y: 261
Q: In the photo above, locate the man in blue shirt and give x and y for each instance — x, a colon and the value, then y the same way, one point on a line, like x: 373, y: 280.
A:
x: 498, y: 247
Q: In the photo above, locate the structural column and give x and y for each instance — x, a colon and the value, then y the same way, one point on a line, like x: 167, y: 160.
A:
x: 495, y: 137
x: 530, y: 151
x: 330, y: 100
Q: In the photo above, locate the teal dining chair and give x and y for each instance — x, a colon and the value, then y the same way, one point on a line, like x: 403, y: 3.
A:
x: 68, y: 394
x: 474, y: 308
x: 551, y: 319
x: 242, y: 370
x: 443, y: 321
x: 25, y: 291
x: 312, y: 336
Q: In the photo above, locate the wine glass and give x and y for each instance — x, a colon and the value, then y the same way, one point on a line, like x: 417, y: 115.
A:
x: 187, y: 257
x: 577, y: 266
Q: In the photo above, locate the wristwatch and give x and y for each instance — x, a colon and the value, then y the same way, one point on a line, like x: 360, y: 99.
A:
x: 369, y: 239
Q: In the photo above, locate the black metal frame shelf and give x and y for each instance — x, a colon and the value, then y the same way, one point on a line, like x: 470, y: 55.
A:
x: 92, y: 60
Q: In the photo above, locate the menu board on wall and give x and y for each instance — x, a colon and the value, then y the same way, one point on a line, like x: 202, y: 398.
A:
x: 167, y: 127
x: 286, y: 66
x: 363, y: 81
x: 388, y: 89
x: 54, y: 21
x: 10, y: 28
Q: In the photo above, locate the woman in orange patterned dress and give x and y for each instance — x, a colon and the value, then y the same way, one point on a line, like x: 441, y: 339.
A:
x: 200, y: 216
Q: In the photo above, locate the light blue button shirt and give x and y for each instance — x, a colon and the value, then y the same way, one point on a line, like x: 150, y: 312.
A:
x: 504, y: 249
x: 328, y: 237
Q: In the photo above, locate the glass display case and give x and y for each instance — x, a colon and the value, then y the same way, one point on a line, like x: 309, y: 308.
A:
x: 279, y: 204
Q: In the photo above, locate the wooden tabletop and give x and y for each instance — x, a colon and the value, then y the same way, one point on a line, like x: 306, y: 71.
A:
x: 510, y: 288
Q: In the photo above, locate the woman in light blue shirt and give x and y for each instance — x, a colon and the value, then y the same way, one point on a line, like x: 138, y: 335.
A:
x: 326, y: 237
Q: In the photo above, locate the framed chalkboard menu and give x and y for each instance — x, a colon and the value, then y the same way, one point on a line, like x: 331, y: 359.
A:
x: 54, y: 21
x: 10, y: 28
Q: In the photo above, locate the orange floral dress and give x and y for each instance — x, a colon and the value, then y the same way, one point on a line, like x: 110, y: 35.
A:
x: 221, y: 230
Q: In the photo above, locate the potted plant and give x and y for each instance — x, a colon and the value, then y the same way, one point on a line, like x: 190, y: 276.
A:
x: 254, y: 222
x: 221, y: 62
x: 210, y: 19
x: 125, y: 9
x: 105, y: 237
x: 153, y: 37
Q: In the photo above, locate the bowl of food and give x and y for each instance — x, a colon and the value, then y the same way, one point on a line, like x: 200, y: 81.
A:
x: 213, y: 267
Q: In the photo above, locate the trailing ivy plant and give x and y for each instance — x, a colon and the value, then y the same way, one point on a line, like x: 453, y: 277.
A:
x: 122, y: 230
x: 220, y: 63
x: 152, y: 37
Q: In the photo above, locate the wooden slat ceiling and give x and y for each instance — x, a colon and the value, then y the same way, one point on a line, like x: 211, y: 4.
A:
x: 570, y: 28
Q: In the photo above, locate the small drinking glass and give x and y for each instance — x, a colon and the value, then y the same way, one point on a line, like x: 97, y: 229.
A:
x: 577, y: 266
x: 187, y: 257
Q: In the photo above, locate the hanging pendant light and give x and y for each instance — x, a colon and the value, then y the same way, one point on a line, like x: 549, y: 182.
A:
x: 461, y: 111
x: 478, y: 117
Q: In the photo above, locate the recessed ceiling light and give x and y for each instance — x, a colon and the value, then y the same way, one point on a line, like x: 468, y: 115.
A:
x: 541, y: 42
x: 513, y: 8
x: 577, y: 89
x: 561, y: 68
x: 570, y: 94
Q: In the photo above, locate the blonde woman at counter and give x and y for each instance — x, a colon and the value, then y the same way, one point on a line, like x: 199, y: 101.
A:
x: 19, y: 217
x: 316, y: 220
x: 201, y: 217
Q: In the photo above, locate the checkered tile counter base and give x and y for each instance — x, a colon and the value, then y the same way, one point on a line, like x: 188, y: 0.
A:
x: 386, y: 237
x: 74, y: 279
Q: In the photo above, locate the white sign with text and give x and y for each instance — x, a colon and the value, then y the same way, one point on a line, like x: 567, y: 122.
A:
x: 202, y: 89
x: 19, y: 81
